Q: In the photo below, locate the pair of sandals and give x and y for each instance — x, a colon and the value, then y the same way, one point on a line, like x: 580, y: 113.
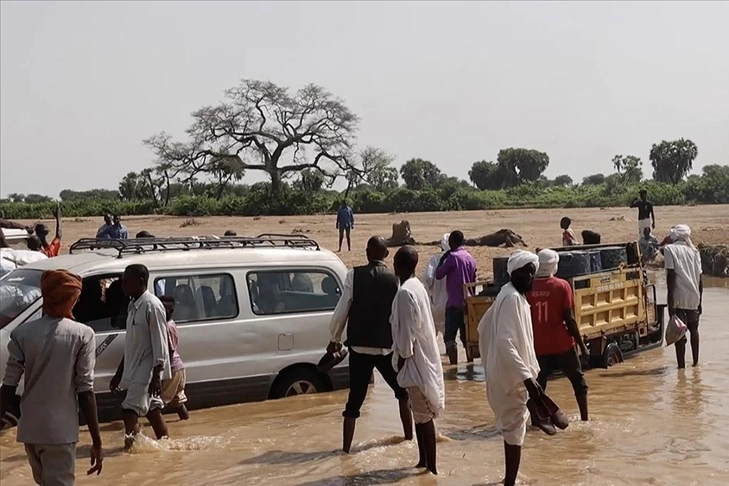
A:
x: 547, y: 415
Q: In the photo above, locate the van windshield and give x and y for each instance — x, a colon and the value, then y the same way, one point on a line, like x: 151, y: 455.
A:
x: 18, y: 291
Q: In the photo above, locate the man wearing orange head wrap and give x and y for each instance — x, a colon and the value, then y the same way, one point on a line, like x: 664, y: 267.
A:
x: 57, y: 356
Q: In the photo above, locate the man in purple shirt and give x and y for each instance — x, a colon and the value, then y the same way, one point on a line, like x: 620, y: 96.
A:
x: 458, y: 267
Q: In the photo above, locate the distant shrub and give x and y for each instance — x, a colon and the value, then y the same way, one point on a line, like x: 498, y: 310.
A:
x: 710, y: 188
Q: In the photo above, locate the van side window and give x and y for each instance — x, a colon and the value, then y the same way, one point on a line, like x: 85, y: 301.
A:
x: 200, y: 297
x: 292, y: 291
x: 102, y: 304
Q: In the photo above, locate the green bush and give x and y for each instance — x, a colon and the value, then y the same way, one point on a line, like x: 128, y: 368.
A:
x: 712, y: 188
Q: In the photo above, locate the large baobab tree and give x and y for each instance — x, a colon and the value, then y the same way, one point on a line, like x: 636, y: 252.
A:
x: 264, y: 127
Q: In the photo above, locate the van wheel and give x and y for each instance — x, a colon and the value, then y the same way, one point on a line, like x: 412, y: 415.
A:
x: 298, y: 381
x: 612, y: 355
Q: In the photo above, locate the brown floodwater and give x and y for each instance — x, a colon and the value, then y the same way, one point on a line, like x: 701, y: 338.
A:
x: 651, y: 425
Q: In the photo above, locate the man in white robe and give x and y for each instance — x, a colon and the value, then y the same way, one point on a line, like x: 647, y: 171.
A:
x: 416, y: 354
x: 506, y: 342
x: 685, y: 290
x: 437, y: 288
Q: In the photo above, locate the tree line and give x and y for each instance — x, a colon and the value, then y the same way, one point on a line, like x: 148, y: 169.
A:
x: 304, y: 141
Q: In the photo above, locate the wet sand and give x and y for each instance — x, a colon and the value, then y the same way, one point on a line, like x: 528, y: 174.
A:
x: 538, y: 227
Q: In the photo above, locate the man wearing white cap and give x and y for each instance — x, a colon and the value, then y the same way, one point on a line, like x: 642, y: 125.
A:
x: 685, y: 290
x: 555, y: 328
x: 506, y: 342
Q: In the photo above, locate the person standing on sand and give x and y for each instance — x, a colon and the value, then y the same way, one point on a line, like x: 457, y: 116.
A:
x: 685, y: 289
x: 646, y: 216
x: 107, y: 223
x: 57, y: 356
x: 506, y: 343
x: 146, y: 361
x: 556, y: 330
x: 364, y: 310
x: 415, y: 348
x: 437, y: 288
x: 117, y: 231
x: 458, y: 267
x: 568, y: 236
x: 345, y: 223
x: 173, y: 390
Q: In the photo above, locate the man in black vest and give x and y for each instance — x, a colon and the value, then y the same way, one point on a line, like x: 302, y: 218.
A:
x: 364, y: 309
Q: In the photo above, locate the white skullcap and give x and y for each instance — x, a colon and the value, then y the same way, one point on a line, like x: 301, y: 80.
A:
x: 520, y: 259
x: 680, y: 232
x: 444, y: 245
x: 548, y: 262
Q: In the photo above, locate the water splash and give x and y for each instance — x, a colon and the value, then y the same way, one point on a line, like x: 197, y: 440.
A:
x: 144, y: 444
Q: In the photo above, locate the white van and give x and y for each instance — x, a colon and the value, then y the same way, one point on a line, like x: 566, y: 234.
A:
x: 16, y: 238
x: 253, y: 313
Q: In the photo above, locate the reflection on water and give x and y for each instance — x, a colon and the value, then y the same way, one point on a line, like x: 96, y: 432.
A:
x: 651, y: 425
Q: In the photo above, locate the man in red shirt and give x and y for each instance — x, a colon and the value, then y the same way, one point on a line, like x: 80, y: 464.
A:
x: 53, y: 248
x: 555, y: 329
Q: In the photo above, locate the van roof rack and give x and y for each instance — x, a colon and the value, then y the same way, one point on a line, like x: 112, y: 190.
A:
x: 187, y: 243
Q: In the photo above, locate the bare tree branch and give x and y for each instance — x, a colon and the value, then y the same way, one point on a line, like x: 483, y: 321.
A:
x: 257, y: 127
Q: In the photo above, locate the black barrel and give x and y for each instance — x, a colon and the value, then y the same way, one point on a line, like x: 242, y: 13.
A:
x: 613, y: 256
x: 501, y: 270
x: 595, y: 261
x: 573, y: 263
x: 490, y: 291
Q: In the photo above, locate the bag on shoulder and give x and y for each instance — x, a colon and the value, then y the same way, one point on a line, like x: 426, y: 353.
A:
x: 675, y: 331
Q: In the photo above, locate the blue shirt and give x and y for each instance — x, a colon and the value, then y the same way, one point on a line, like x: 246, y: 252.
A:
x: 345, y: 218
x: 114, y: 232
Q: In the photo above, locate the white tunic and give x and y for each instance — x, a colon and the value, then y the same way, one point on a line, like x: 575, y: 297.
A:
x: 10, y: 259
x: 686, y: 262
x: 506, y: 342
x: 437, y: 292
x: 413, y: 336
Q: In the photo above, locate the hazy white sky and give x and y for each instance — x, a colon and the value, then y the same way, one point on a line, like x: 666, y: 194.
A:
x: 83, y: 83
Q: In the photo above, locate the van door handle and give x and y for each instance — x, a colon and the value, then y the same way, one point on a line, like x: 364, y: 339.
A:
x: 286, y: 341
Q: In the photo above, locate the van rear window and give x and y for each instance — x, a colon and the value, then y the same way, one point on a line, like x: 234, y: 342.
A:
x: 18, y: 291
x: 292, y: 291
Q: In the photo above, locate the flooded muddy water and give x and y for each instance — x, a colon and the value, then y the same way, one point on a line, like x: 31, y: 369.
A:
x: 651, y: 425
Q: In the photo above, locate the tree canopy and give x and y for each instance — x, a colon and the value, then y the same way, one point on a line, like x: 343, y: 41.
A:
x: 672, y: 161
x: 593, y: 180
x: 629, y: 169
x: 486, y: 175
x: 420, y: 174
x: 264, y: 127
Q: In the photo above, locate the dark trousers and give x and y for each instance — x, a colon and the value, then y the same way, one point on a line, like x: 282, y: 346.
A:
x: 361, y: 367
x: 689, y: 317
x: 454, y: 323
x: 569, y: 364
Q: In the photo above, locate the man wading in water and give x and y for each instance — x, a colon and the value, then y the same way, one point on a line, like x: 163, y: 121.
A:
x: 146, y: 360
x: 364, y: 309
x: 458, y: 267
x: 506, y: 343
x: 56, y: 355
x: 685, y: 289
x: 556, y: 330
x: 416, y: 350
